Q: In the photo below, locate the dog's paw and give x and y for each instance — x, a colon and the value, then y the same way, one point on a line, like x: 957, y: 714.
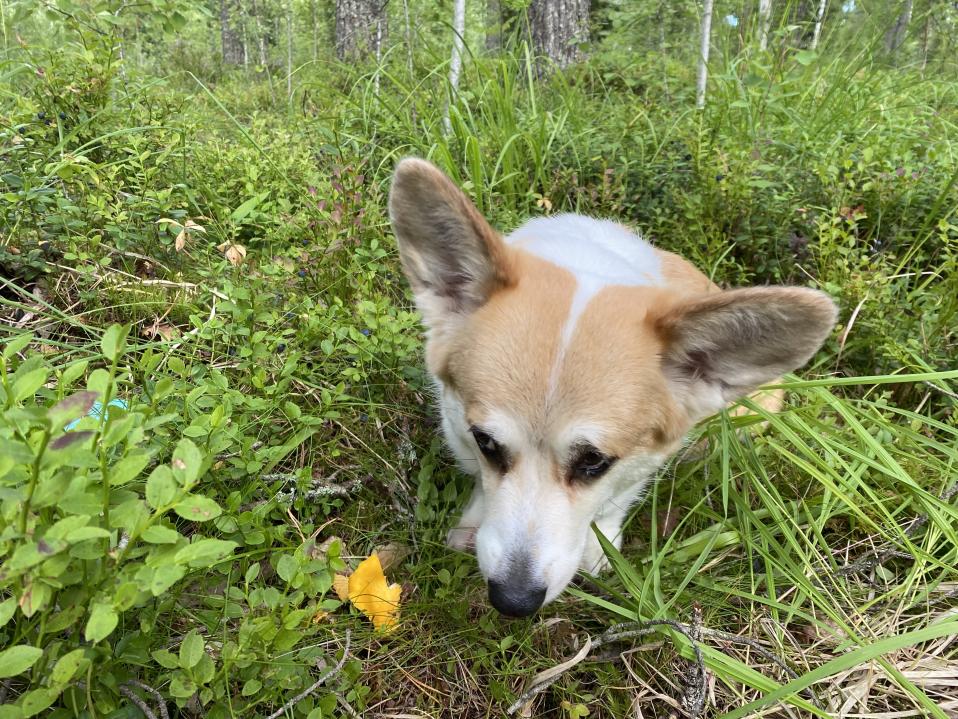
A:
x: 462, y: 539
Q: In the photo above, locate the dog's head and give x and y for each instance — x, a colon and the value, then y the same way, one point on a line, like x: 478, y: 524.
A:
x: 562, y: 406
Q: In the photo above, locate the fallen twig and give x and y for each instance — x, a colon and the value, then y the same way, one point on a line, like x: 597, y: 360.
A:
x: 160, y: 701
x: 877, y: 557
x: 315, y: 685
x: 694, y: 696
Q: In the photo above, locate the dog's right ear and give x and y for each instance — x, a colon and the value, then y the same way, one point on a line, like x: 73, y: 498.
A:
x: 454, y: 260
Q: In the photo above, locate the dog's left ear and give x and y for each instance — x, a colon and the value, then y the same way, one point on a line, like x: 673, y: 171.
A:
x: 721, y: 347
x: 454, y: 260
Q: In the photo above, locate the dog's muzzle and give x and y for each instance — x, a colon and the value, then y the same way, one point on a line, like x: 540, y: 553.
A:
x: 513, y: 601
x: 517, y: 594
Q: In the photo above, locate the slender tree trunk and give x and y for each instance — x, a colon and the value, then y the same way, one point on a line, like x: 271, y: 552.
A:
x: 455, y: 62
x: 409, y: 47
x: 819, y: 18
x: 764, y: 20
x: 232, y: 45
x: 896, y: 33
x: 493, y: 25
x: 558, y: 27
x: 360, y: 27
x: 314, y: 27
x: 705, y: 45
x: 925, y: 37
x: 289, y: 49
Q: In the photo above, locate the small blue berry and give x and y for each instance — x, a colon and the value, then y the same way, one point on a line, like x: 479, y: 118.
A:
x: 281, y: 347
x: 363, y: 417
x: 365, y: 332
x: 301, y: 273
x: 41, y: 115
x: 63, y: 116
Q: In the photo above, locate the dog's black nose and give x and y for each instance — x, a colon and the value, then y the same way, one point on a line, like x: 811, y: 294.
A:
x: 515, y: 600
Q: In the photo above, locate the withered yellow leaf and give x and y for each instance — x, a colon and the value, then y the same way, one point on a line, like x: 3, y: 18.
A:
x: 370, y: 593
x: 341, y: 585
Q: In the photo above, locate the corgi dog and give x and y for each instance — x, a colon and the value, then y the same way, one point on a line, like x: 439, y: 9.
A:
x: 570, y: 359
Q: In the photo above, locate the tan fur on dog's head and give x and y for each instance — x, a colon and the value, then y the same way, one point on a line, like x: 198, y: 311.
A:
x: 571, y: 358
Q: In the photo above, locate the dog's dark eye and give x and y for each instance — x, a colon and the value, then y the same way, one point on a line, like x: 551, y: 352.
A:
x: 589, y: 463
x: 491, y: 449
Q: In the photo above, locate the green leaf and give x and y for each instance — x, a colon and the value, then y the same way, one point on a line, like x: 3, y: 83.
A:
x: 103, y: 620
x: 287, y: 567
x: 204, y: 552
x: 191, y: 650
x: 67, y: 665
x: 16, y: 344
x: 251, y: 687
x: 27, y: 384
x: 7, y: 607
x: 165, y: 577
x: 61, y: 529
x: 158, y: 534
x: 128, y: 469
x: 187, y: 462
x: 806, y: 57
x: 113, y: 343
x: 72, y: 372
x: 18, y: 659
x: 241, y: 212
x: 161, y: 488
x: 181, y: 686
x: 32, y: 703
x: 165, y: 659
x: 197, y: 508
x: 30, y: 555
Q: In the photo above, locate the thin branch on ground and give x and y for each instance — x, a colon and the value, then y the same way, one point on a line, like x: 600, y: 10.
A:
x: 137, y: 701
x: 160, y: 701
x: 326, y: 676
x: 879, y: 556
x: 695, y: 692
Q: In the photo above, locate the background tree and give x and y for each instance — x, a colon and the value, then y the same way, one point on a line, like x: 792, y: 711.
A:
x: 361, y: 28
x: 896, y: 33
x: 705, y: 42
x: 558, y: 28
x: 231, y: 38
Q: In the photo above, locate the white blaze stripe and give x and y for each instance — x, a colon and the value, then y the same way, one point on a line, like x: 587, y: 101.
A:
x: 598, y: 253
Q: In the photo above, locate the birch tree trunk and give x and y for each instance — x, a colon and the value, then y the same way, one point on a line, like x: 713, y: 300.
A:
x: 764, y: 20
x: 896, y: 33
x: 705, y: 44
x: 289, y: 49
x: 819, y: 18
x: 314, y: 27
x: 360, y: 28
x: 558, y: 27
x: 232, y: 42
x: 455, y: 62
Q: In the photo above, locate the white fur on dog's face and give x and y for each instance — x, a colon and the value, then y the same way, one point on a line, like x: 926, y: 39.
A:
x: 572, y: 339
x: 528, y: 515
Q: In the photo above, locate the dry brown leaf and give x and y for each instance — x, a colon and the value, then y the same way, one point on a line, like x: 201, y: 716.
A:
x: 233, y: 252
x: 180, y: 242
x: 391, y: 555
x: 165, y: 331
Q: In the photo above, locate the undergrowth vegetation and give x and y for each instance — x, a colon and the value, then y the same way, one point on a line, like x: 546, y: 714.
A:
x: 212, y: 397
